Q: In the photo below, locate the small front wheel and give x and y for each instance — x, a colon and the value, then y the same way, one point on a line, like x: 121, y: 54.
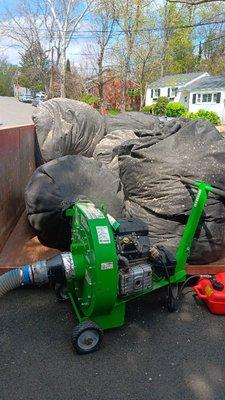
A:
x: 61, y: 293
x: 86, y: 337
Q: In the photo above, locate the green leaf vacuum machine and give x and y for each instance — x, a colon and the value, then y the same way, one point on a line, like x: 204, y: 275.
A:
x: 110, y: 263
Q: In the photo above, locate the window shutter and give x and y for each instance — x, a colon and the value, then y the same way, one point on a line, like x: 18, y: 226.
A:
x: 194, y: 98
x: 168, y: 92
x: 151, y: 93
x: 159, y: 92
x: 218, y: 98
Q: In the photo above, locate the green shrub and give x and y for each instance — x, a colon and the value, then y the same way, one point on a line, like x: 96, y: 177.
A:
x: 113, y: 111
x: 133, y: 92
x: 89, y: 99
x: 161, y: 105
x: 211, y: 116
x: 149, y: 109
x: 190, y: 114
x: 175, y: 109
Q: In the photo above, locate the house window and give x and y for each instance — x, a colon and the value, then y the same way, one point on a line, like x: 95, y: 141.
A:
x: 207, y: 97
x: 217, y: 97
x: 168, y: 92
x: 156, y: 93
x: 194, y: 98
x: 199, y: 96
x: 174, y: 92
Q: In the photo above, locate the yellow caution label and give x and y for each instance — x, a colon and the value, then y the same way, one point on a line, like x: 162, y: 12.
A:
x: 208, y: 291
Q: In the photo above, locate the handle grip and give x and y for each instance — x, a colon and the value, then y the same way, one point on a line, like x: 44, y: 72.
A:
x: 198, y: 291
x: 214, y: 190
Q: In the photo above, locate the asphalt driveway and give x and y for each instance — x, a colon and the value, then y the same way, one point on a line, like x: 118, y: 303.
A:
x: 13, y: 112
x: 156, y: 356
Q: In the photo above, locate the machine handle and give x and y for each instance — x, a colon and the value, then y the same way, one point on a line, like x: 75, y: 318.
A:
x: 198, y: 290
x: 214, y: 190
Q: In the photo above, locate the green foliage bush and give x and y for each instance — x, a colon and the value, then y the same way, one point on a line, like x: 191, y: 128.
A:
x: 113, y: 112
x: 175, y: 109
x: 211, y: 116
x: 161, y: 105
x: 149, y: 109
x: 89, y: 99
x: 133, y: 92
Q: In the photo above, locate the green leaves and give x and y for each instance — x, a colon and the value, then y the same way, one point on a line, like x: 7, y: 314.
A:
x: 175, y: 109
x: 211, y: 116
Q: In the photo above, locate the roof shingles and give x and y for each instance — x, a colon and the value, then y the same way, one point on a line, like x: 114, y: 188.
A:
x: 175, y: 80
x: 208, y: 83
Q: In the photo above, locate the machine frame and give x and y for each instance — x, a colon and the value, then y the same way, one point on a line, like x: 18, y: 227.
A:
x: 93, y: 290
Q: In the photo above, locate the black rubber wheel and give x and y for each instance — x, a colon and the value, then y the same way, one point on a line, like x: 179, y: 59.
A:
x: 86, y: 337
x: 60, y: 291
x: 172, y: 302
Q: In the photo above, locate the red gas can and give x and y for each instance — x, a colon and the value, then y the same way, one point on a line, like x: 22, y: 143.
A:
x: 207, y: 290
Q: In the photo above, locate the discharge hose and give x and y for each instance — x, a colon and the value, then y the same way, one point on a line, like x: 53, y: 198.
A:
x: 54, y: 270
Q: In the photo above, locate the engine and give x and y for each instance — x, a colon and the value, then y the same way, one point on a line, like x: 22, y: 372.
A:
x: 133, y: 243
x: 138, y: 259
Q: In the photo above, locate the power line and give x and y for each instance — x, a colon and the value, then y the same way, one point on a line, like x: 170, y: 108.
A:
x: 81, y: 33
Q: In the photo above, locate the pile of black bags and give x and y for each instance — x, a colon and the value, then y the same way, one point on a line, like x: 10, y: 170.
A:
x: 136, y: 170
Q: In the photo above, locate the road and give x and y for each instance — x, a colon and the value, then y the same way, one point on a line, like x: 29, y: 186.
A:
x: 155, y: 356
x: 13, y: 112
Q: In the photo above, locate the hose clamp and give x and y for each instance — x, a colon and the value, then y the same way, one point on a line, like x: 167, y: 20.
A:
x: 40, y: 274
x: 68, y: 264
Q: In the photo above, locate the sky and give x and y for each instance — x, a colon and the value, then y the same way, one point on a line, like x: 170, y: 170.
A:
x: 11, y: 51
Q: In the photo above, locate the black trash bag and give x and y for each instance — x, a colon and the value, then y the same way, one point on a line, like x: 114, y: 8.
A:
x: 56, y: 185
x: 135, y: 121
x: 144, y: 127
x: 104, y: 150
x: 150, y: 173
x: 65, y: 126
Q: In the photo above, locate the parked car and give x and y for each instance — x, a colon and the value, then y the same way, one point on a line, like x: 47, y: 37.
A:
x: 38, y: 100
x: 27, y: 98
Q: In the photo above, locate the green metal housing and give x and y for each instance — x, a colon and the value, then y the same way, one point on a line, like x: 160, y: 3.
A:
x: 93, y: 288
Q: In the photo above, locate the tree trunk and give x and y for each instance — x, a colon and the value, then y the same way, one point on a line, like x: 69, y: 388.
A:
x: 100, y: 79
x: 63, y: 72
x: 124, y: 86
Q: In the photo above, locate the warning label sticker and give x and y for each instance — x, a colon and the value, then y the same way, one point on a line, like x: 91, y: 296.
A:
x: 103, y: 234
x: 106, y: 265
x: 91, y: 211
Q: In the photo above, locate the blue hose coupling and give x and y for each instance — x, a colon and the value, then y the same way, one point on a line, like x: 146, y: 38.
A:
x: 26, y: 275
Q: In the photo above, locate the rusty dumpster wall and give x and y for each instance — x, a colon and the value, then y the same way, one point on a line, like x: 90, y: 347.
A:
x: 17, y: 162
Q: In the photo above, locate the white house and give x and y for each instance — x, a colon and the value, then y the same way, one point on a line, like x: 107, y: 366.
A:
x: 195, y: 90
x: 20, y: 91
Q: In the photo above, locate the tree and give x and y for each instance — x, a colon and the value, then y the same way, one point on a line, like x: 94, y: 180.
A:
x: 195, y: 2
x: 98, y: 50
x: 68, y: 66
x: 177, y: 50
x: 7, y: 77
x: 212, y: 45
x: 75, y: 83
x: 34, y: 72
x: 146, y: 56
x: 130, y: 16
x: 67, y: 16
x: 24, y: 25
